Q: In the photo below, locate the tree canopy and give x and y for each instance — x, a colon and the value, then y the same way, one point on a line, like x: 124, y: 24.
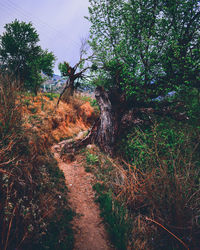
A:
x: 143, y: 50
x: 146, y: 48
x: 22, y: 56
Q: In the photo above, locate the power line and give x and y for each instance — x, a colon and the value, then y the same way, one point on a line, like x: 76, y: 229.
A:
x: 43, y: 25
x: 9, y: 9
x: 45, y: 29
x: 36, y: 18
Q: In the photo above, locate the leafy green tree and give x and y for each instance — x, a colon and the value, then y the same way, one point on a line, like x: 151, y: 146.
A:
x: 44, y: 62
x: 143, y: 49
x: 22, y: 56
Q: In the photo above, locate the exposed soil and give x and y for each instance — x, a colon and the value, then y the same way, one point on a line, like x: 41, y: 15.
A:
x: 89, y: 230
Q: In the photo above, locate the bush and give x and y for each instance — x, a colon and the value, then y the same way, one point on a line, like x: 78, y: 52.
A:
x: 51, y: 96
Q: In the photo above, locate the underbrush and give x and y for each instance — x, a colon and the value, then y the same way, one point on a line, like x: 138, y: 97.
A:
x: 156, y: 185
x: 34, y: 212
x: 162, y: 184
x: 114, y: 213
x: 92, y: 101
x: 115, y: 216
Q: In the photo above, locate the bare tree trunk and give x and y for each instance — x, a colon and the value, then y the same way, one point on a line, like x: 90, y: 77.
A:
x: 104, y: 131
x: 67, y: 92
x: 108, y: 126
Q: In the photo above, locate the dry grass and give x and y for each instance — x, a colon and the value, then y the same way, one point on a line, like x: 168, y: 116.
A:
x: 163, y: 205
x: 54, y: 124
x: 32, y: 189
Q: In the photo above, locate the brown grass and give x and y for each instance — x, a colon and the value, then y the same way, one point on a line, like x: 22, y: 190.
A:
x: 29, y: 193
x: 54, y: 124
x: 163, y: 206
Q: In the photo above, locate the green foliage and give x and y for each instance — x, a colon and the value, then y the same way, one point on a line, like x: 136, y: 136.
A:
x: 21, y: 55
x: 114, y: 215
x: 91, y: 159
x: 92, y: 101
x: 94, y: 67
x: 64, y: 68
x: 160, y: 181
x: 191, y: 99
x: 145, y: 48
x: 51, y: 96
x: 27, y: 102
x: 57, y: 230
x: 59, y: 233
x: 33, y: 110
x: 167, y: 158
x: 146, y: 146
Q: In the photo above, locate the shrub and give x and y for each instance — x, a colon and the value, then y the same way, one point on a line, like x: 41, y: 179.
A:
x: 51, y: 96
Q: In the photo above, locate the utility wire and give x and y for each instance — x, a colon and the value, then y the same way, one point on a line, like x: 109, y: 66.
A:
x: 22, y: 16
x: 43, y: 25
x: 53, y: 29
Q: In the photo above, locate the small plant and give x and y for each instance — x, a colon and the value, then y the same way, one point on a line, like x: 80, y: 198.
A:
x: 27, y: 102
x: 92, y: 159
x: 33, y: 110
x: 93, y: 102
x: 88, y: 169
x: 51, y: 95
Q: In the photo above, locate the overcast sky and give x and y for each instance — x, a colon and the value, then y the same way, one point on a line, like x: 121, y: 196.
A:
x: 59, y: 23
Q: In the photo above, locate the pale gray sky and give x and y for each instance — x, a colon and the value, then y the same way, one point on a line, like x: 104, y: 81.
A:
x: 59, y: 23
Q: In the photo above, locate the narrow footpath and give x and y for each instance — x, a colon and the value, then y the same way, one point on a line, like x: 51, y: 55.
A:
x: 89, y: 230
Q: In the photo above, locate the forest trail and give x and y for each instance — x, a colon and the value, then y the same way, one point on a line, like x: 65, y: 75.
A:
x: 89, y: 230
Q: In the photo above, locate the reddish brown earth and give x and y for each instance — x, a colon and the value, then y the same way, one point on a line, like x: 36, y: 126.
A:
x: 89, y: 230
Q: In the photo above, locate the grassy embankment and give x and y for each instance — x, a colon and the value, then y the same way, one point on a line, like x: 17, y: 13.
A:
x: 34, y: 211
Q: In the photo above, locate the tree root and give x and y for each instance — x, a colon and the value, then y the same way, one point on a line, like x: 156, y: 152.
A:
x: 74, y: 146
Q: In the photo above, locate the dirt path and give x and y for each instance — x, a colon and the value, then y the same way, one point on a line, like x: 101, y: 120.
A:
x: 90, y: 233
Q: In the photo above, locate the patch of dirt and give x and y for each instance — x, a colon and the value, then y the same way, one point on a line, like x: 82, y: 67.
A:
x: 89, y: 230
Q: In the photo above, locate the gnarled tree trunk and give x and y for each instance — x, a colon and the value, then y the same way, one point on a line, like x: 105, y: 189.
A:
x: 68, y: 93
x: 104, y: 131
x: 108, y: 125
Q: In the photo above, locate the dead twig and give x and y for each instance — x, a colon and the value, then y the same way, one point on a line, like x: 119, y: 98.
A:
x: 148, y: 219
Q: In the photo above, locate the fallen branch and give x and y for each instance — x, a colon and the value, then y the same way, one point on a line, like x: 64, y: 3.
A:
x: 148, y: 219
x: 71, y: 147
